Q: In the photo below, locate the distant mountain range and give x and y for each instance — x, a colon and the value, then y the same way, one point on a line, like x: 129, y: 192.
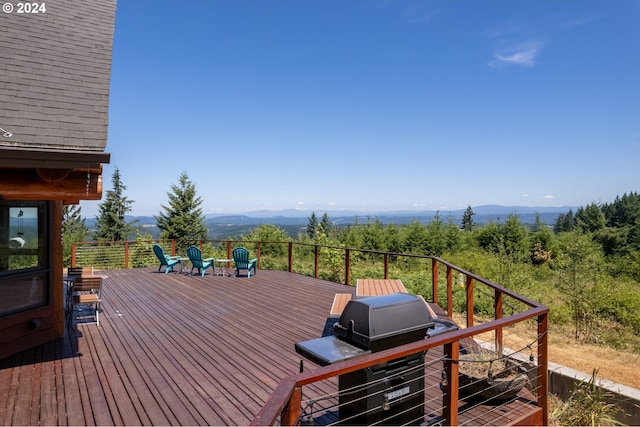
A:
x: 478, y: 210
x: 294, y: 222
x: 483, y: 215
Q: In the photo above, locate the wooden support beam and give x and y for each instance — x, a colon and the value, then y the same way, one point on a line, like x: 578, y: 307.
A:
x: 29, y: 184
x: 57, y: 285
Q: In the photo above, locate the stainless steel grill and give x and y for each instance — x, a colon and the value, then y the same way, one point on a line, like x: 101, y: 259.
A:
x: 388, y: 393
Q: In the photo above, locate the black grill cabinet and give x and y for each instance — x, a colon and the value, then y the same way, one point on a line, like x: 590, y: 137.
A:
x: 389, y: 393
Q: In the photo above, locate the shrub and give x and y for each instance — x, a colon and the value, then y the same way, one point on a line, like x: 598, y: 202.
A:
x: 586, y: 406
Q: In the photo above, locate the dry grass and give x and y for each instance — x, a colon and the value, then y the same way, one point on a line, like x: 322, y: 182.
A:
x: 613, y: 365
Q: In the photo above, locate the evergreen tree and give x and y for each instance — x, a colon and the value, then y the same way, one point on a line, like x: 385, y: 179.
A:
x: 559, y: 225
x: 541, y: 243
x: 590, y: 219
x: 373, y: 236
x: 624, y: 211
x: 110, y: 223
x: 415, y: 238
x: 452, y: 235
x: 183, y: 218
x: 565, y: 222
x: 490, y: 237
x: 467, y: 219
x: 436, y: 239
x: 326, y: 223
x: 515, y: 236
x: 312, y: 226
x: 74, y: 229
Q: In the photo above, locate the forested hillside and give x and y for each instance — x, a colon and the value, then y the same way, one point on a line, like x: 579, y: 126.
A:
x: 586, y: 268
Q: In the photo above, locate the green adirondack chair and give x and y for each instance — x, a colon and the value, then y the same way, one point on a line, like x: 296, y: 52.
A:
x: 195, y: 256
x: 168, y: 261
x: 242, y: 261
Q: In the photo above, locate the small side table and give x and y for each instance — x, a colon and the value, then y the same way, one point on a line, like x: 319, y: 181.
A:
x: 224, y: 267
x: 183, y: 264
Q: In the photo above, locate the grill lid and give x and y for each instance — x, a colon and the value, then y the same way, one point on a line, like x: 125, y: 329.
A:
x: 381, y: 322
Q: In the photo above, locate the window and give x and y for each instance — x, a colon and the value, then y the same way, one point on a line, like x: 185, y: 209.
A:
x: 24, y: 263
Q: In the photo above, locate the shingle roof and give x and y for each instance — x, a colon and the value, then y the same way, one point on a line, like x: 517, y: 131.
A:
x: 54, y: 75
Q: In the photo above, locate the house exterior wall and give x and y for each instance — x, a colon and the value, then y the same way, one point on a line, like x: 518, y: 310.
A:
x: 55, y: 68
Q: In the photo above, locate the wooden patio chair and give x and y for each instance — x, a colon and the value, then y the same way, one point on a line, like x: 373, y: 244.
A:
x: 86, y: 291
x: 72, y: 273
x: 167, y: 260
x: 242, y: 261
x: 195, y: 256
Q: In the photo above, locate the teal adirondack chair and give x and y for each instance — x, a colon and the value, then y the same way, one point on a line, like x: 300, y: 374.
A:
x: 195, y: 256
x: 242, y: 261
x: 168, y: 261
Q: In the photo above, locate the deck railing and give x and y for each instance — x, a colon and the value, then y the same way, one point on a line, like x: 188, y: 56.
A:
x: 508, y: 312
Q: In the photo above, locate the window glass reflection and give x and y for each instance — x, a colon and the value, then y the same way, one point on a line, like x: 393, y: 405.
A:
x: 24, y: 237
x: 23, y: 256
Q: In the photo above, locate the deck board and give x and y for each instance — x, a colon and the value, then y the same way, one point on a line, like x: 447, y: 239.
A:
x: 176, y: 349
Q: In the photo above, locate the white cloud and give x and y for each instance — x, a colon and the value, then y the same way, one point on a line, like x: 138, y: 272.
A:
x: 581, y: 20
x: 547, y: 197
x: 525, y: 195
x: 522, y: 53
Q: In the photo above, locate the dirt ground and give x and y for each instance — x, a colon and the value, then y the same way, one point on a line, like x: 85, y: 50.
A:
x: 613, y: 365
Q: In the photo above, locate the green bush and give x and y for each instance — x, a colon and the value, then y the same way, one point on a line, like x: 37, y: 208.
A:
x: 586, y: 406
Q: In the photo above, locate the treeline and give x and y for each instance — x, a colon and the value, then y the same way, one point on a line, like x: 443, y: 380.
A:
x: 586, y: 268
x: 613, y: 227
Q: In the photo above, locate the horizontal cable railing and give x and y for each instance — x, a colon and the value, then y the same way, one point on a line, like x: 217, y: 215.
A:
x: 504, y: 322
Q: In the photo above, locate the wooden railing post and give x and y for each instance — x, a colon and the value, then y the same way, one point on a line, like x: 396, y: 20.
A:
x: 449, y: 291
x: 450, y: 396
x: 543, y: 366
x: 126, y: 254
x: 173, y: 247
x: 497, y: 305
x: 347, y: 266
x: 228, y: 249
x: 290, y: 257
x: 258, y: 255
x: 73, y: 254
x: 315, y: 261
x: 434, y: 279
x: 291, y: 412
x: 469, y: 301
x: 386, y: 265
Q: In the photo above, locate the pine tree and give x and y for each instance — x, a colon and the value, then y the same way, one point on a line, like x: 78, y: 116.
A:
x: 326, y: 223
x: 467, y: 219
x: 312, y: 226
x: 590, y: 219
x: 183, y: 218
x: 110, y: 221
x: 74, y: 230
x: 569, y: 221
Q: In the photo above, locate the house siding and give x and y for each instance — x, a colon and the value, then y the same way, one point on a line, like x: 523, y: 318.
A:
x: 55, y: 70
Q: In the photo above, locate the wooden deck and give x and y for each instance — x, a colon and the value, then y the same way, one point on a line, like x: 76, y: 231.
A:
x: 371, y: 287
x: 176, y: 350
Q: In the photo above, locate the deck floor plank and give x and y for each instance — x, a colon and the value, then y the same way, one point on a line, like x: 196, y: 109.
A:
x: 24, y: 388
x: 176, y: 349
x: 48, y: 402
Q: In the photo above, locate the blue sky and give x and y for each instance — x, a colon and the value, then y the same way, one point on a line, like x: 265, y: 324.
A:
x: 375, y: 105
